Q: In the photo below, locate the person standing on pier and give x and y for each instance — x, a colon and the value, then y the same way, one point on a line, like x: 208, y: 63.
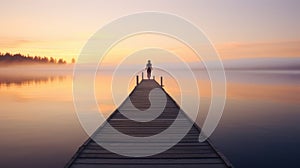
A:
x: 149, y: 69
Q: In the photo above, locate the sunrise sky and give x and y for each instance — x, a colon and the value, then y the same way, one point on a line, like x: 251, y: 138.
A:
x: 237, y: 28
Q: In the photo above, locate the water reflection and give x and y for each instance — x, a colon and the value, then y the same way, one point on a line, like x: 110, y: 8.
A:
x: 39, y: 126
x: 37, y: 119
x: 22, y: 80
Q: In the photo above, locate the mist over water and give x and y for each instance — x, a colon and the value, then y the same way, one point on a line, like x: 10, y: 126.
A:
x: 22, y: 74
x: 39, y: 126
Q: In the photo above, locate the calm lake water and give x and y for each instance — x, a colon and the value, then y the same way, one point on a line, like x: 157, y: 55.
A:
x: 260, y: 126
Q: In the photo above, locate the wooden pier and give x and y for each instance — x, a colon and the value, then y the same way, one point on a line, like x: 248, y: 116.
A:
x: 188, y: 153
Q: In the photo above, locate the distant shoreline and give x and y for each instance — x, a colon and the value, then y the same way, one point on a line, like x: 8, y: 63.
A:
x: 8, y: 59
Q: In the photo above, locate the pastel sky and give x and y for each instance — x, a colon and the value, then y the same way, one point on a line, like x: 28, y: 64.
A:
x: 237, y: 28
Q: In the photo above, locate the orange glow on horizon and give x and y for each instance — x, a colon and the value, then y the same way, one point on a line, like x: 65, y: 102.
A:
x: 231, y: 50
x: 277, y: 49
x: 66, y: 49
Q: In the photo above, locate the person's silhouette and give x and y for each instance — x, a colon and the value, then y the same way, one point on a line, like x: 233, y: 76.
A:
x: 149, y: 69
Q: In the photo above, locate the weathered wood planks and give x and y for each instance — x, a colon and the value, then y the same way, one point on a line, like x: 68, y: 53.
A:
x: 188, y: 153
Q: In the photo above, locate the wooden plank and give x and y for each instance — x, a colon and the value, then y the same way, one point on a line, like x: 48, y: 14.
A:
x: 159, y: 156
x: 165, y: 154
x: 148, y: 166
x: 140, y: 148
x: 92, y: 143
x: 150, y: 161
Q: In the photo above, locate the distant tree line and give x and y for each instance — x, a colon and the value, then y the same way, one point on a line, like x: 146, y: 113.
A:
x: 22, y: 59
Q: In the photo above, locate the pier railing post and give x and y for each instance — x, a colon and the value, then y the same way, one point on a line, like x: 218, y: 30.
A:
x: 142, y: 75
x: 137, y: 79
x: 161, y: 82
x: 153, y: 77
